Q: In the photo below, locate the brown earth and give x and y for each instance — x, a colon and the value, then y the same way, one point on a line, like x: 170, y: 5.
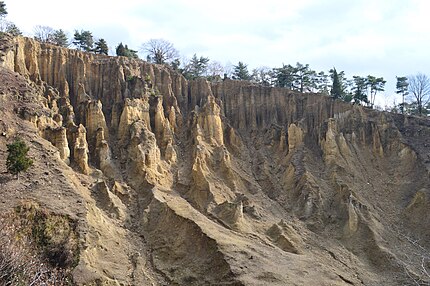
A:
x: 173, y: 182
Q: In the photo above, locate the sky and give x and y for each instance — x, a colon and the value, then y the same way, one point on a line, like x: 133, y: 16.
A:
x: 384, y: 38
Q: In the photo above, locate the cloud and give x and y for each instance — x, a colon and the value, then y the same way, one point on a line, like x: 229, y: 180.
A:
x: 384, y: 38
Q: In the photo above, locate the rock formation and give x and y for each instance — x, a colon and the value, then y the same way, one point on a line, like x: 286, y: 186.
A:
x: 182, y: 182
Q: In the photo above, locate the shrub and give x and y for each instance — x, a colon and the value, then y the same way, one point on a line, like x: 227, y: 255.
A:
x: 17, y: 160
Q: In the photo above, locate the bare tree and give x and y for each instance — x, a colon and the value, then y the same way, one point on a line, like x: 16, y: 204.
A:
x: 412, y: 255
x: 262, y: 75
x: 215, y: 70
x: 419, y: 90
x: 228, y: 70
x: 159, y: 51
x: 44, y: 34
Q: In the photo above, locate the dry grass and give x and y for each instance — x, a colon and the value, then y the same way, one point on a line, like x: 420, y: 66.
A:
x: 33, y: 250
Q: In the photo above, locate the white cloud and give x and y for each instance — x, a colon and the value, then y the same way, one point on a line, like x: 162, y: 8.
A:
x: 384, y: 38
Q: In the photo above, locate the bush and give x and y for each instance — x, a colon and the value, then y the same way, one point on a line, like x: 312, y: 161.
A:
x: 17, y: 160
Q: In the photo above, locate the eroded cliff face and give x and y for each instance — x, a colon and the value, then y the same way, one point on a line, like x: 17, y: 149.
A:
x: 227, y: 183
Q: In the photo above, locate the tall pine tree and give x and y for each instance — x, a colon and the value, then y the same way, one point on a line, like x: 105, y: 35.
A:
x: 375, y: 84
x: 197, y: 67
x: 402, y: 89
x: 84, y: 40
x: 101, y: 47
x: 59, y: 38
x: 336, y: 89
x: 241, y: 72
x: 360, y: 90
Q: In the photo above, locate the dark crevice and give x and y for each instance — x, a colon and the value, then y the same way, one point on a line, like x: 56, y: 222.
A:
x: 345, y: 280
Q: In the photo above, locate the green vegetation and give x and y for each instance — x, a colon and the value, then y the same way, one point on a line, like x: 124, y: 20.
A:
x: 147, y: 79
x: 375, y: 85
x: 359, y: 89
x: 59, y: 38
x: 402, y: 89
x: 124, y: 51
x: 284, y: 76
x: 196, y: 67
x: 54, y: 235
x: 241, y: 72
x: 17, y: 160
x: 3, y: 11
x: 101, y: 47
x: 13, y: 29
x: 414, y: 90
x: 84, y: 40
x: 46, y: 34
x: 301, y: 78
x: 131, y: 78
x: 155, y: 92
x: 36, y: 245
x: 336, y: 89
x: 5, y: 25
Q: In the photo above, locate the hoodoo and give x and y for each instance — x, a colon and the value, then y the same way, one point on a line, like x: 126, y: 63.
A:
x: 158, y: 180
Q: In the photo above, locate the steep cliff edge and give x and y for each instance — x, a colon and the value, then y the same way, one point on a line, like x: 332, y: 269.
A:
x: 174, y: 182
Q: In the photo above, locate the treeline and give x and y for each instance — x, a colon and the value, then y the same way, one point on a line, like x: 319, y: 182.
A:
x: 299, y: 77
x: 7, y: 26
x: 414, y: 90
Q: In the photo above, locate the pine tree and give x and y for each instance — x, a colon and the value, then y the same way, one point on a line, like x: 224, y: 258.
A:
x: 336, y: 89
x: 3, y: 11
x: 101, y: 47
x: 120, y: 50
x: 322, y: 83
x: 59, y: 38
x: 124, y: 51
x: 7, y: 26
x: 304, y: 78
x: 197, y: 67
x: 17, y: 160
x: 402, y: 88
x: 175, y: 64
x: 84, y: 40
x: 130, y: 53
x: 284, y: 76
x: 241, y: 72
x: 375, y: 84
x: 13, y: 29
x: 360, y: 90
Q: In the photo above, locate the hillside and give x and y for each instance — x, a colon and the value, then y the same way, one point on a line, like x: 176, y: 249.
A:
x: 174, y: 182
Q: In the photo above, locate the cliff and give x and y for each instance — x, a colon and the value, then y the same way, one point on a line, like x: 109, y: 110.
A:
x: 176, y: 182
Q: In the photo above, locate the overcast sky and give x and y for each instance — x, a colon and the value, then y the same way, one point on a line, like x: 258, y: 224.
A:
x: 385, y: 38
